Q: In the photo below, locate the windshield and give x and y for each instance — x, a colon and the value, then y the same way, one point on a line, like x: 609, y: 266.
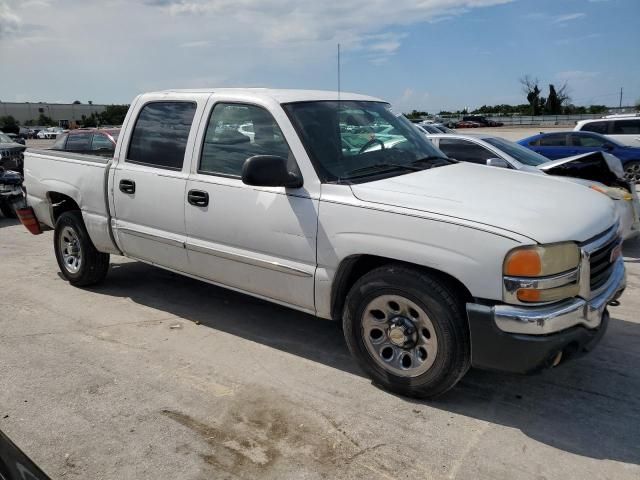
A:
x: 520, y: 153
x: 352, y: 140
x: 4, y: 138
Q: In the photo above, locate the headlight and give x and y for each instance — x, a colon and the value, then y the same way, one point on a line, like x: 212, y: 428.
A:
x: 541, y: 274
x: 615, y: 193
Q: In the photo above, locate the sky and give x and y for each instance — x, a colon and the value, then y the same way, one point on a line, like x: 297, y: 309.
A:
x: 417, y: 54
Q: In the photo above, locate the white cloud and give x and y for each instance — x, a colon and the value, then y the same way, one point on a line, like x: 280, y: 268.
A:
x: 568, y: 17
x: 114, y: 49
x: 576, y: 75
x: 10, y: 22
x: 196, y: 44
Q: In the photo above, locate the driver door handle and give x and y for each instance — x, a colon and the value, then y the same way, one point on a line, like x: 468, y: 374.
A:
x: 198, y: 198
x: 127, y: 186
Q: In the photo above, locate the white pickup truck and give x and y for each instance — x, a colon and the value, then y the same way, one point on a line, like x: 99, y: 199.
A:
x: 334, y: 205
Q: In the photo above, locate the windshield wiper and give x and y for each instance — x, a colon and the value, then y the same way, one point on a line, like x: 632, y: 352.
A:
x: 434, y: 159
x: 384, y: 166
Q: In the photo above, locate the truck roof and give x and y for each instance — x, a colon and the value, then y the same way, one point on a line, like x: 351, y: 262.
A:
x: 279, y: 95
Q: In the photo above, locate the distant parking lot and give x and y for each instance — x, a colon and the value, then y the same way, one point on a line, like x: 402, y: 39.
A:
x: 153, y: 375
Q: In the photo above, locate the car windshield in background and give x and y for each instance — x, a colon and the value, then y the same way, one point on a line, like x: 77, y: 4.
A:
x: 353, y: 140
x: 520, y: 153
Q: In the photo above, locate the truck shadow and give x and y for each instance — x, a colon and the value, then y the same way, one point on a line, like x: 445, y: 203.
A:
x: 7, y: 222
x: 588, y: 407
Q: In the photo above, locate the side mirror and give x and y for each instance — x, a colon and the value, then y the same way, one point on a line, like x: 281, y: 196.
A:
x: 269, y: 171
x: 607, y: 147
x: 498, y: 162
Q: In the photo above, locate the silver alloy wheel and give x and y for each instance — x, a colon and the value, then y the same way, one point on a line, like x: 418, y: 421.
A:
x: 632, y: 173
x: 69, y: 245
x: 399, y: 335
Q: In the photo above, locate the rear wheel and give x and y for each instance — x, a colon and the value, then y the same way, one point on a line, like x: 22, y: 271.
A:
x: 632, y: 172
x: 407, y: 330
x: 79, y: 261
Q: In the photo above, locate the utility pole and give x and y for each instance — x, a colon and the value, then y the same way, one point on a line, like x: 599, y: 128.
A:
x: 620, y: 98
x: 338, y: 71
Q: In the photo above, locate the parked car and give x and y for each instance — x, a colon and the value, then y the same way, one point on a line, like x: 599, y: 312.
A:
x: 484, y: 121
x: 15, y: 138
x: 10, y: 192
x: 427, y: 128
x: 564, y: 144
x: 49, y: 133
x: 443, y: 128
x: 14, y: 463
x: 468, y: 124
x: 431, y: 265
x: 92, y: 141
x: 598, y: 170
x: 11, y: 154
x: 623, y: 129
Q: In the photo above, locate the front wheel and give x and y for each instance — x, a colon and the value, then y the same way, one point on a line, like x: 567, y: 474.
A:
x: 632, y: 172
x: 79, y: 261
x: 407, y: 330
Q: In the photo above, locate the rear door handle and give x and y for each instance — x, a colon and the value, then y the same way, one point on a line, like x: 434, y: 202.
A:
x: 127, y: 186
x: 198, y: 198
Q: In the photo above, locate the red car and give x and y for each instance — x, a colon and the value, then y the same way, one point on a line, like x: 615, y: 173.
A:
x: 92, y: 141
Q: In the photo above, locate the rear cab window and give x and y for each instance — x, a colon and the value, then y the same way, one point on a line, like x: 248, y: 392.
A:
x: 159, y: 137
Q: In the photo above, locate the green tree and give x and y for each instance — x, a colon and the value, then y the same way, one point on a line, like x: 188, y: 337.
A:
x: 44, y: 120
x: 113, y: 115
x: 8, y: 122
x: 90, y: 121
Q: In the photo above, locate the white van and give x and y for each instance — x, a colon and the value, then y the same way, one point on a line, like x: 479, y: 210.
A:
x: 625, y: 129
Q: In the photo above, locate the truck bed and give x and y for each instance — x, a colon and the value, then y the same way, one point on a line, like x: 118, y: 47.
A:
x: 81, y: 178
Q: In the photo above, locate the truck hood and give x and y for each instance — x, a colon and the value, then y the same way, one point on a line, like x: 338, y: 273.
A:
x: 542, y: 208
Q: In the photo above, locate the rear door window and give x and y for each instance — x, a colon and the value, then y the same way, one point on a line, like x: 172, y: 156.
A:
x: 159, y: 138
x: 465, y: 150
x: 597, y: 127
x: 554, y: 140
x: 78, y: 142
x: 626, y: 127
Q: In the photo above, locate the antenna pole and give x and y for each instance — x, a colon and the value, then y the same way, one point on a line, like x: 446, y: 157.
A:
x: 620, y: 98
x: 338, y: 71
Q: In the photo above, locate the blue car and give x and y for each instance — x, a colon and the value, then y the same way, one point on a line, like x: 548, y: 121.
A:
x: 567, y: 144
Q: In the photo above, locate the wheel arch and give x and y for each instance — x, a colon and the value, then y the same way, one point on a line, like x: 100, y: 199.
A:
x: 60, y: 203
x: 354, y: 267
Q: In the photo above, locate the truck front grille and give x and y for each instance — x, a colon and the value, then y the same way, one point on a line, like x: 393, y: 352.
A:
x: 601, y: 265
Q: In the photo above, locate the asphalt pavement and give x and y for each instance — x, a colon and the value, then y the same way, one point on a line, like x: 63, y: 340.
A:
x: 153, y: 375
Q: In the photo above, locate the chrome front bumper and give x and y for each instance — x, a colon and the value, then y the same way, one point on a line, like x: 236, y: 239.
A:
x: 560, y: 316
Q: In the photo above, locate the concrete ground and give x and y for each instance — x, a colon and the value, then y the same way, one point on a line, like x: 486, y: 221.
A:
x: 152, y: 375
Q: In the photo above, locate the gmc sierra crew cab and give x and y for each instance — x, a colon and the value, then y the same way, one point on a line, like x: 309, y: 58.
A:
x: 332, y: 204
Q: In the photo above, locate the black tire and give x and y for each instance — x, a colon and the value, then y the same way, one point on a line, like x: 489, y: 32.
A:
x: 7, y: 210
x: 632, y: 172
x: 94, y: 265
x: 445, y: 311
